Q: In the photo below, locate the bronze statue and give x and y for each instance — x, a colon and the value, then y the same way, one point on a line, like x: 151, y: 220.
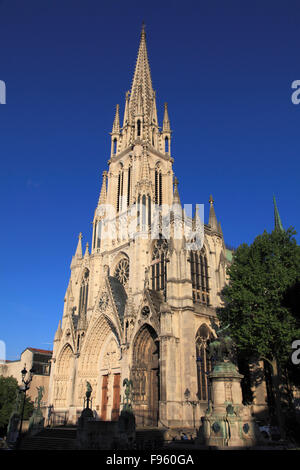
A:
x: 222, y: 348
x: 128, y: 384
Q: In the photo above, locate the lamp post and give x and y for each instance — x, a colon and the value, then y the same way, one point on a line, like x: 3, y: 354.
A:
x: 26, y: 380
x: 193, y: 403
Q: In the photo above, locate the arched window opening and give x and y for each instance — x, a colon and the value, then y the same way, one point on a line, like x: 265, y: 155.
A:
x: 95, y: 230
x: 158, y: 186
x: 139, y: 211
x: 120, y: 190
x: 166, y: 145
x: 83, y: 295
x: 128, y: 186
x: 203, y: 362
x: 144, y: 212
x: 138, y: 128
x: 149, y: 211
x: 159, y: 265
x: 199, y: 275
x: 115, y: 146
x: 99, y: 230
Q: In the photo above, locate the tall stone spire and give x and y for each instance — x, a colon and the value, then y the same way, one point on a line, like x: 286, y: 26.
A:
x: 142, y: 83
x: 277, y: 220
x: 212, y: 215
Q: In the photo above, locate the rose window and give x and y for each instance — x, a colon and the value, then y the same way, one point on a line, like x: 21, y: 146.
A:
x: 122, y: 271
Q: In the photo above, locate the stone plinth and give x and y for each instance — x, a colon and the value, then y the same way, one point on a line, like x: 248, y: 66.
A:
x: 227, y: 422
x: 106, y: 435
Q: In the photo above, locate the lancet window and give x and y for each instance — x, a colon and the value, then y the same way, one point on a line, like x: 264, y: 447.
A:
x: 159, y: 265
x: 203, y: 361
x: 84, y: 291
x: 199, y: 275
x: 120, y: 189
x: 158, y: 186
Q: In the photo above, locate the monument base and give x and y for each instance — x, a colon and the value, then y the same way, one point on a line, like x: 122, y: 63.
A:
x: 227, y: 422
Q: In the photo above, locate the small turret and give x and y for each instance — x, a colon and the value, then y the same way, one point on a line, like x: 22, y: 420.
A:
x: 115, y: 134
x: 212, y: 216
x: 78, y: 252
x: 166, y: 132
x: 86, y: 254
x: 102, y: 197
x: 176, y: 197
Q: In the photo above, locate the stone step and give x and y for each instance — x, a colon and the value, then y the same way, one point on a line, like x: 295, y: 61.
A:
x: 47, y: 443
x: 51, y: 439
x: 62, y: 433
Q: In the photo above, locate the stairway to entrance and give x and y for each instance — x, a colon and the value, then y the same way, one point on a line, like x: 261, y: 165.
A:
x: 60, y: 438
x: 150, y: 438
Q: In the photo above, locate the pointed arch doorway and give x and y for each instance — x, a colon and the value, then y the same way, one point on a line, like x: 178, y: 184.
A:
x: 145, y: 377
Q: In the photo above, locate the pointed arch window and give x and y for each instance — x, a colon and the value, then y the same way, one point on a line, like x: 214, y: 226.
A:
x: 84, y: 291
x: 199, y: 276
x: 138, y: 128
x: 129, y: 186
x: 166, y: 145
x: 203, y: 361
x: 115, y: 146
x: 143, y: 212
x: 99, y: 230
x: 158, y: 185
x: 120, y: 189
x: 159, y: 265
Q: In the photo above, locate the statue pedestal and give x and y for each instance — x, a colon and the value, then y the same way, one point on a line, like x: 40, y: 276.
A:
x: 227, y: 422
x: 36, y: 422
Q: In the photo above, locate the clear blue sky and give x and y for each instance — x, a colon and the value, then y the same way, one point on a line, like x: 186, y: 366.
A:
x: 224, y: 67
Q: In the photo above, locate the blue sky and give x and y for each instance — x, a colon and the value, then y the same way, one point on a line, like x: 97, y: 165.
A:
x: 225, y: 69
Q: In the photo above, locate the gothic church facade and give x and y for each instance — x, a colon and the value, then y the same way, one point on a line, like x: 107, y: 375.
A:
x: 140, y: 306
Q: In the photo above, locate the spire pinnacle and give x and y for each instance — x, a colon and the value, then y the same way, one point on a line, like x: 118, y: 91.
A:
x: 86, y: 254
x: 102, y: 197
x: 277, y: 220
x: 176, y: 197
x: 116, y: 124
x: 166, y: 121
x: 78, y: 253
x: 212, y: 215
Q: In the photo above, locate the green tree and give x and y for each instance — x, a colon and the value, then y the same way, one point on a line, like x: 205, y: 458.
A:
x: 8, y: 391
x: 260, y: 300
x: 262, y: 323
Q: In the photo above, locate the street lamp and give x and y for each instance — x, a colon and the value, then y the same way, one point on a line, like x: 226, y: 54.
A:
x: 26, y: 386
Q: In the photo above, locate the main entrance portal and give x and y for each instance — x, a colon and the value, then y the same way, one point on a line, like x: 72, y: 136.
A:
x: 145, y: 377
